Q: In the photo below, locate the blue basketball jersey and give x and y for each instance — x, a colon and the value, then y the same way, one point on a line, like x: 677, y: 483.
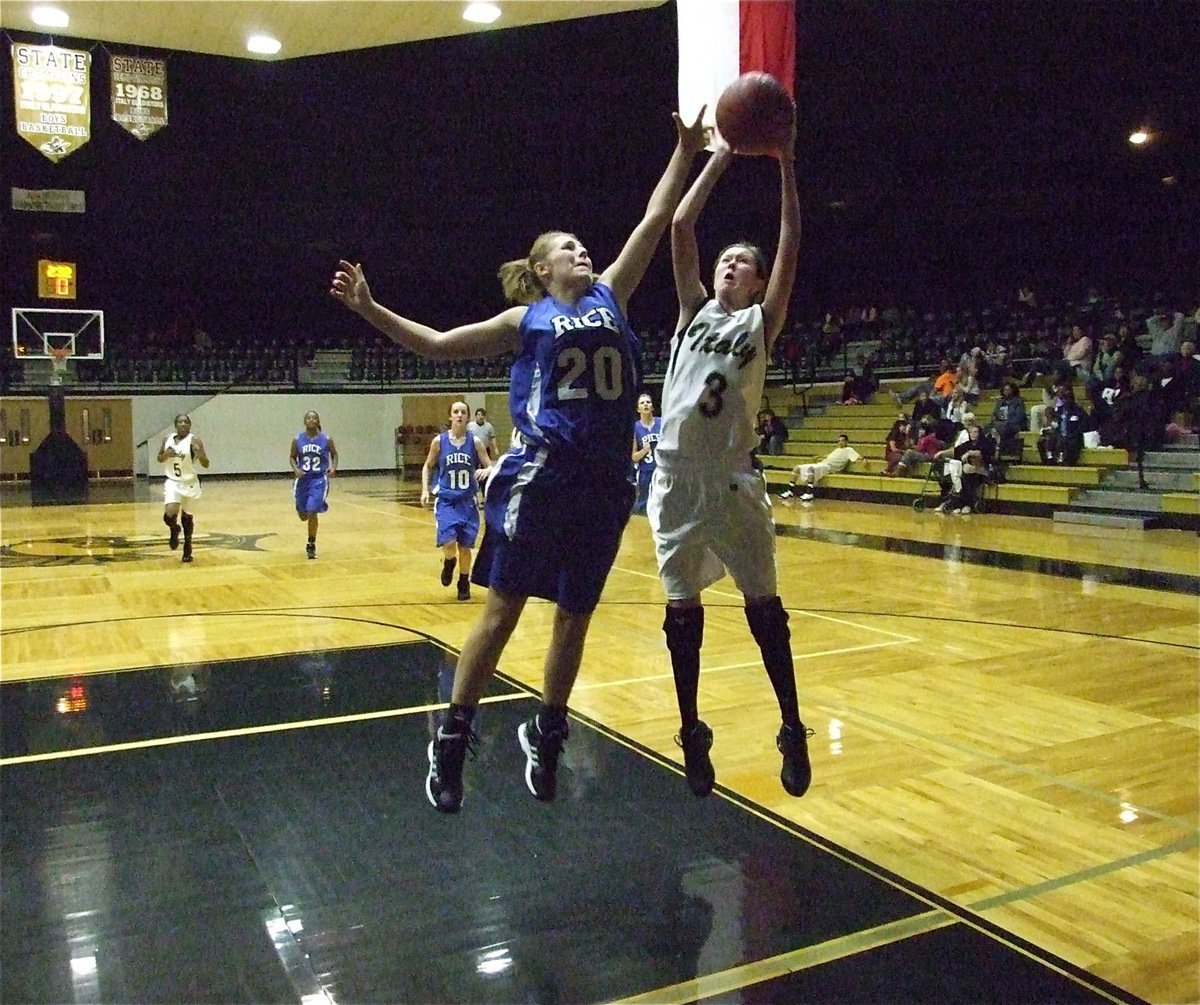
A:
x: 647, y: 435
x: 313, y: 451
x: 575, y: 379
x: 456, y: 469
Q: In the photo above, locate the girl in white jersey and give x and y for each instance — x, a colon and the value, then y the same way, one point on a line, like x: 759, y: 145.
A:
x: 179, y: 454
x: 708, y: 508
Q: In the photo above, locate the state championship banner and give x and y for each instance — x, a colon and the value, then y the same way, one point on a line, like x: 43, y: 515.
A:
x: 52, y: 88
x: 719, y: 40
x: 139, y: 94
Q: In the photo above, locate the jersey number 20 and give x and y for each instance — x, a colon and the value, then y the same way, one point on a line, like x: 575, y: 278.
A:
x: 606, y: 373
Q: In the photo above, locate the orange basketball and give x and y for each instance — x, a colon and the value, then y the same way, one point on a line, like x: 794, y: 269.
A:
x: 755, y: 114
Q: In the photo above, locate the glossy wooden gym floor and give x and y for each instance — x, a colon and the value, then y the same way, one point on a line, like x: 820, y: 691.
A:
x: 1005, y: 764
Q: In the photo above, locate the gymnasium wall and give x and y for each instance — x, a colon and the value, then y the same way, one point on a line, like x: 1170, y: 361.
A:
x: 244, y: 434
x: 252, y: 433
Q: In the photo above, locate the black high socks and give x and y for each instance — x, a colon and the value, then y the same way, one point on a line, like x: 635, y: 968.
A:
x: 684, y: 628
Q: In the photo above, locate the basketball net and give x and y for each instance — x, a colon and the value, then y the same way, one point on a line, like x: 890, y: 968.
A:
x: 58, y: 362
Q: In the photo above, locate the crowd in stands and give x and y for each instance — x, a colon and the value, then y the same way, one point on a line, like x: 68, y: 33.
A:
x: 1128, y: 365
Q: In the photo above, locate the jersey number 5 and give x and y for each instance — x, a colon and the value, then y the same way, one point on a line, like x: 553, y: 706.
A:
x: 607, y: 378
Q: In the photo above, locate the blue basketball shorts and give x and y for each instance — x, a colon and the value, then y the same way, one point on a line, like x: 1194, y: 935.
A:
x: 457, y: 520
x: 312, y: 494
x: 553, y: 527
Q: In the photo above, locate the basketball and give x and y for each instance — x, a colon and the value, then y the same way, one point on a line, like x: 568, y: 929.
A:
x: 755, y: 114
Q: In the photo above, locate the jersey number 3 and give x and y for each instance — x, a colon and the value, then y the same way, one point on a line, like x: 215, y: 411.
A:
x: 606, y: 373
x: 712, y: 398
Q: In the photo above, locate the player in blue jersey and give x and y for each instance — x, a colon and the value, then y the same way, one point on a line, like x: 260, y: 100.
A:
x: 709, y: 510
x: 558, y: 501
x: 460, y: 460
x: 646, y: 430
x: 314, y: 460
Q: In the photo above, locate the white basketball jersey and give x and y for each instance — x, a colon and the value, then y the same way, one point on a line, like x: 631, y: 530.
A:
x: 180, y: 469
x: 713, y: 388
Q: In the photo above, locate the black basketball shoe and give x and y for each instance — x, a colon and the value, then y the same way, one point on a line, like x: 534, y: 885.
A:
x: 697, y: 765
x: 447, y: 752
x: 541, y: 756
x: 796, y: 774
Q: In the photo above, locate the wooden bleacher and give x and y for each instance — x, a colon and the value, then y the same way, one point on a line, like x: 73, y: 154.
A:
x: 1029, y: 486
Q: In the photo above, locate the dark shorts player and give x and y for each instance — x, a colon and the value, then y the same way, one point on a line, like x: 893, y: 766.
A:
x: 571, y: 393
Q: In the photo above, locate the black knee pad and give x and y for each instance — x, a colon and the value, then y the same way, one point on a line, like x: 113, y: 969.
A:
x: 168, y: 520
x: 684, y: 628
x: 769, y: 624
x: 186, y: 520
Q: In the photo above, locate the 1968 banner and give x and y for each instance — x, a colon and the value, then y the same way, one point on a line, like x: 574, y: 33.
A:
x: 139, y: 94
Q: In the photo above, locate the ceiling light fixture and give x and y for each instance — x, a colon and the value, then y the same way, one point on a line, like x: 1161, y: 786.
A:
x: 481, y: 13
x: 1138, y: 137
x: 50, y: 17
x: 263, y: 44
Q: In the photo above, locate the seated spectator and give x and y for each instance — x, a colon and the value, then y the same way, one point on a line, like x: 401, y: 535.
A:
x: 838, y: 459
x: 1127, y: 344
x: 1108, y: 356
x: 1008, y: 420
x: 1077, y: 353
x: 954, y: 416
x: 968, y: 380
x: 1075, y: 359
x: 860, y: 383
x: 925, y: 387
x: 925, y: 407
x: 1164, y: 333
x: 895, y: 443
x: 772, y: 433
x: 1104, y: 401
x: 996, y: 357
x: 1181, y: 381
x: 1051, y: 398
x: 926, y: 448
x: 1061, y: 441
x: 966, y: 468
x: 944, y: 383
x: 1139, y: 420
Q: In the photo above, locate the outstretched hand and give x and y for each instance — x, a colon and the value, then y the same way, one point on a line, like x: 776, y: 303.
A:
x: 693, y: 138
x: 350, y: 286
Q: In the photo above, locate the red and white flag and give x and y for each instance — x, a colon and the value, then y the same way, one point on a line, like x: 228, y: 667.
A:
x: 719, y: 40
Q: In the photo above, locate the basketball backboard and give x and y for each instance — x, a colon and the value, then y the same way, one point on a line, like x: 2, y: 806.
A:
x: 38, y: 332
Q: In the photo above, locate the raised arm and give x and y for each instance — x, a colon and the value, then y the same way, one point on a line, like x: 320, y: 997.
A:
x: 626, y: 272
x: 783, y: 272
x: 497, y: 335
x: 685, y: 253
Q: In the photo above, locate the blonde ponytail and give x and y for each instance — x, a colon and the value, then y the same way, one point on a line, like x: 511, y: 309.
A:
x: 519, y: 282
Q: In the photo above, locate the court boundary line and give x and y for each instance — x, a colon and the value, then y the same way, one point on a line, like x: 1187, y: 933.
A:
x: 964, y: 914
x: 1186, y: 584
x: 792, y: 961
x: 225, y: 734
x: 600, y: 685
x: 941, y: 907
